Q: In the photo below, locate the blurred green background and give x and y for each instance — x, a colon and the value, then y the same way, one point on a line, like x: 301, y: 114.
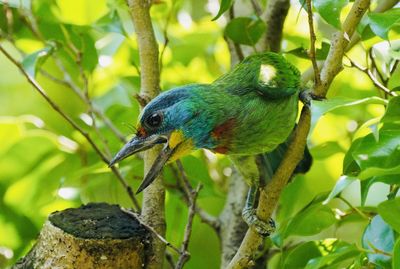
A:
x: 45, y: 165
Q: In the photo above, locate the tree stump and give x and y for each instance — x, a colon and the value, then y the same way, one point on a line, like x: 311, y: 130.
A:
x: 95, y: 235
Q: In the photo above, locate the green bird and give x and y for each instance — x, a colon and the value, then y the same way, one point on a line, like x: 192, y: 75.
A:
x: 248, y: 113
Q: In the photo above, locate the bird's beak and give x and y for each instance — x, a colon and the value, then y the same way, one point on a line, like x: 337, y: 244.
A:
x: 135, y: 145
x: 156, y: 168
x: 140, y: 144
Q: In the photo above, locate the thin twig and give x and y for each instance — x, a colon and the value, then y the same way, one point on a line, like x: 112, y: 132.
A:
x: 151, y: 229
x: 30, y: 21
x: 317, y: 77
x: 256, y: 6
x: 67, y: 81
x: 354, y: 208
x: 374, y: 80
x: 185, y: 255
x: 374, y: 65
x: 187, y: 189
x: 41, y: 91
x: 170, y: 259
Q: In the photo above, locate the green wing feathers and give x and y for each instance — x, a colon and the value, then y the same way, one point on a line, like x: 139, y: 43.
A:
x: 269, y: 74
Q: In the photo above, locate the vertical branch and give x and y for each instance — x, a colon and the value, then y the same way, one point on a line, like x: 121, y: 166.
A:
x: 317, y: 78
x: 154, y: 196
x: 339, y: 42
x: 275, y: 15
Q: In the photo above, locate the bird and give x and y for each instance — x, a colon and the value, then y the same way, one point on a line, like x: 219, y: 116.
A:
x: 248, y: 114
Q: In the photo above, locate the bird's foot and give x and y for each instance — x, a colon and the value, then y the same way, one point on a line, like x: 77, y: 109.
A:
x: 264, y: 228
x: 306, y: 96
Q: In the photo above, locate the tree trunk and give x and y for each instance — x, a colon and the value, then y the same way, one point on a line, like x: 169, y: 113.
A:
x: 91, y: 236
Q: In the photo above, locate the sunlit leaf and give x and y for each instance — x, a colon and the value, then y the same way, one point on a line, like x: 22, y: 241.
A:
x: 320, y: 108
x: 330, y: 10
x: 341, y: 251
x: 224, y: 6
x: 392, y: 113
x: 367, y: 157
x: 32, y: 62
x: 390, y: 212
x: 300, y: 255
x: 311, y: 220
x: 80, y: 12
x: 381, y: 23
x: 326, y: 150
x: 340, y: 185
x: 245, y: 30
x: 379, y: 239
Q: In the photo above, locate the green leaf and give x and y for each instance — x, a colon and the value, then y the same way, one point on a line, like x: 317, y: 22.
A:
x: 320, y: 108
x: 326, y: 150
x: 378, y: 237
x: 80, y: 12
x: 390, y: 212
x: 340, y: 252
x: 32, y: 62
x: 224, y: 6
x: 392, y: 113
x: 320, y: 53
x: 111, y: 22
x: 381, y: 23
x: 367, y: 184
x: 300, y: 255
x: 330, y: 10
x: 367, y: 157
x: 396, y: 255
x: 311, y: 220
x: 340, y: 185
x: 245, y: 30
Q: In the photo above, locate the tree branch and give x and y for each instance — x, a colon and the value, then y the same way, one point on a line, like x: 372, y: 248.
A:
x: 274, y: 16
x: 374, y: 80
x: 233, y: 228
x: 269, y: 196
x: 153, y: 212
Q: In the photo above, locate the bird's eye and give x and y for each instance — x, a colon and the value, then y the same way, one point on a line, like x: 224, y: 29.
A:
x: 154, y: 120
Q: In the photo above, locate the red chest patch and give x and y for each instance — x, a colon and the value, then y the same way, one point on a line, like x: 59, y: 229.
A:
x: 223, y: 134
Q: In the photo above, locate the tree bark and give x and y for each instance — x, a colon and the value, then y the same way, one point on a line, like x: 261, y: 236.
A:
x: 91, y: 236
x: 153, y: 206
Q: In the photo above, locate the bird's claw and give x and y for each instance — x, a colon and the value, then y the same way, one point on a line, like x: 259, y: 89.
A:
x: 264, y: 228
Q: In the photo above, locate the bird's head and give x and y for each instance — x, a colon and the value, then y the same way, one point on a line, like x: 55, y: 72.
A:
x: 162, y: 121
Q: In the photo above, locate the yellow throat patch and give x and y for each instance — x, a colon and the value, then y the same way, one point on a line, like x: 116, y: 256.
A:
x: 181, y: 145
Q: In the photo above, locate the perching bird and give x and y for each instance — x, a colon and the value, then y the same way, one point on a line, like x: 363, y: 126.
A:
x: 249, y: 111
